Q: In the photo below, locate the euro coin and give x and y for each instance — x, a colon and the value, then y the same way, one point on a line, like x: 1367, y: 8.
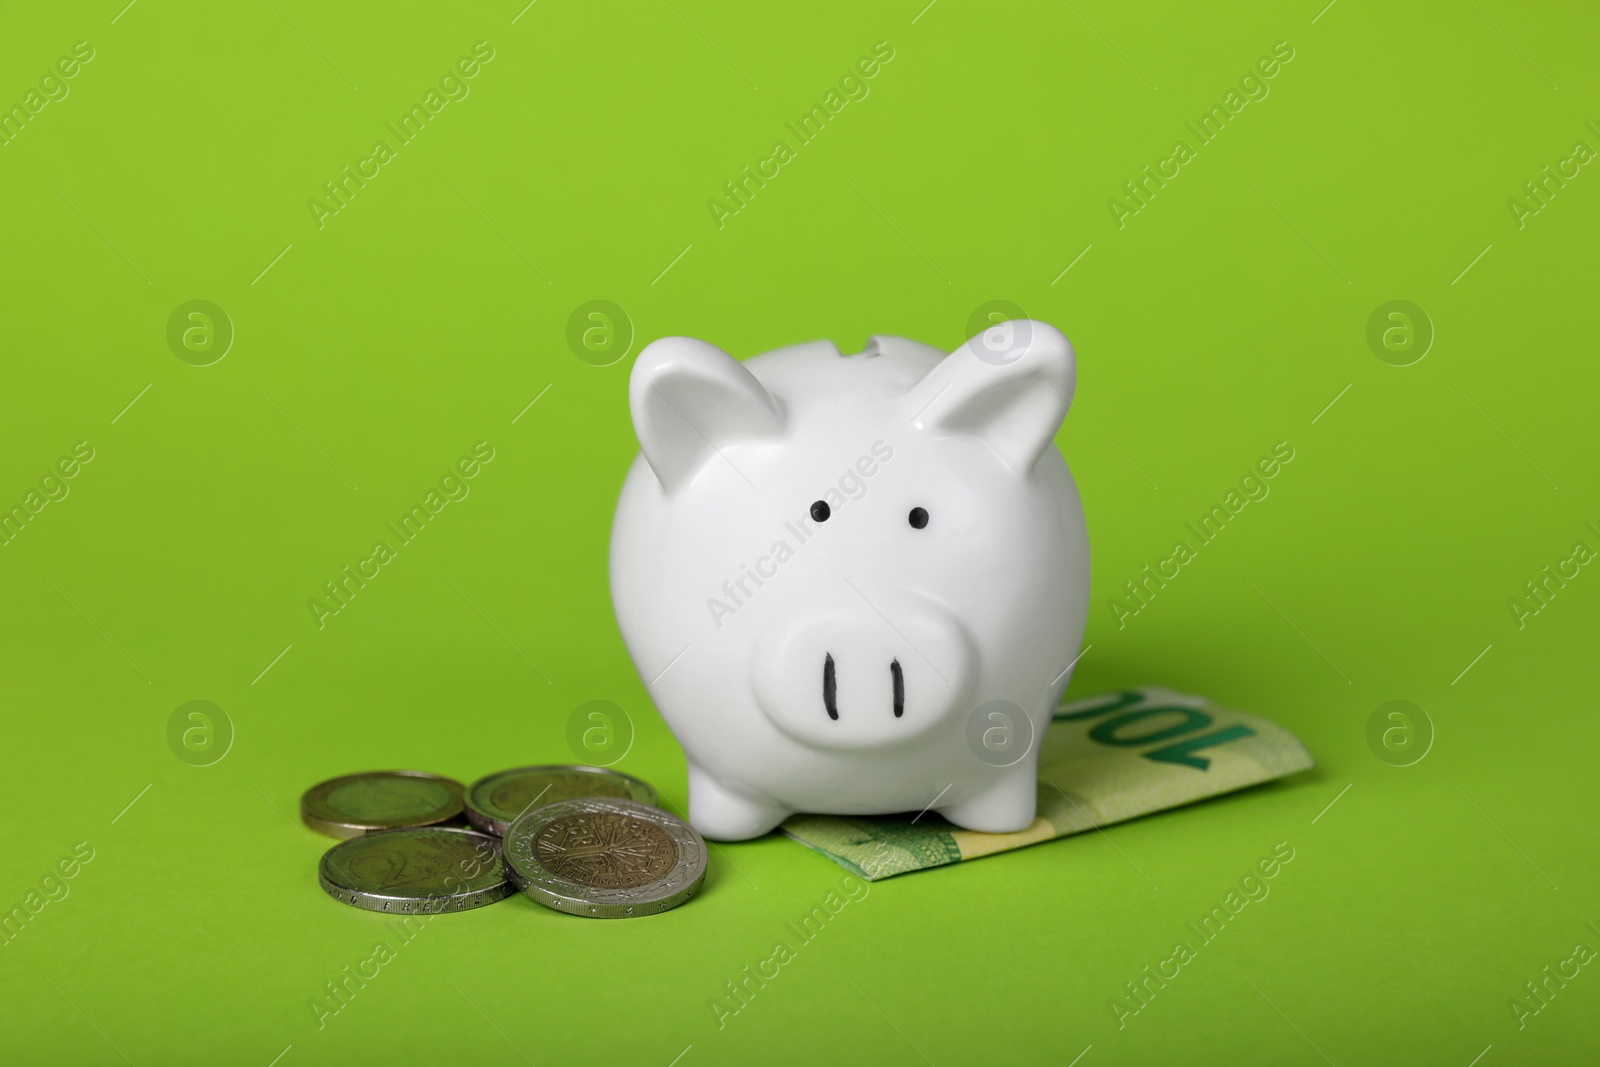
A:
x: 605, y: 858
x: 494, y: 801
x: 379, y: 800
x: 423, y: 870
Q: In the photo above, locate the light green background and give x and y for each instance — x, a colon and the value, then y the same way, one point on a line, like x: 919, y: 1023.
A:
x: 1223, y: 318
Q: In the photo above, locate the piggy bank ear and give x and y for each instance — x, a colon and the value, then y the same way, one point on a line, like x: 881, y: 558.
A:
x: 690, y: 398
x: 1010, y: 386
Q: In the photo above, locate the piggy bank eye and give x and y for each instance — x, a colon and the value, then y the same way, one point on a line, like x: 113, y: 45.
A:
x: 919, y: 518
x: 820, y: 511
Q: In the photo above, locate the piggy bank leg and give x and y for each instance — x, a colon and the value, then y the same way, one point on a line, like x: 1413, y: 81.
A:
x: 726, y: 816
x: 1004, y: 807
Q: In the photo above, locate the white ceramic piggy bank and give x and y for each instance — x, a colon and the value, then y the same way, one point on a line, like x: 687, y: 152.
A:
x: 853, y: 584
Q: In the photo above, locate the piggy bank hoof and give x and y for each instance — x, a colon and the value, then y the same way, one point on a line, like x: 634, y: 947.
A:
x: 1004, y: 808
x: 725, y: 816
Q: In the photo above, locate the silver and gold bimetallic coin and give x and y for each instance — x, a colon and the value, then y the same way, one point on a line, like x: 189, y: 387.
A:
x: 424, y: 870
x: 356, y: 804
x: 605, y: 858
x: 494, y: 801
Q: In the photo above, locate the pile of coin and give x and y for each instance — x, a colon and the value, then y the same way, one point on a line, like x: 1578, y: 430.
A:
x: 583, y: 840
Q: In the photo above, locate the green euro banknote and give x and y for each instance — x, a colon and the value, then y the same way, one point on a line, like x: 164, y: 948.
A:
x: 1104, y: 759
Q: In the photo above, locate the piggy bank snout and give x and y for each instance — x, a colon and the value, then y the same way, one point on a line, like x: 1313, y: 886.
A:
x: 864, y: 681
